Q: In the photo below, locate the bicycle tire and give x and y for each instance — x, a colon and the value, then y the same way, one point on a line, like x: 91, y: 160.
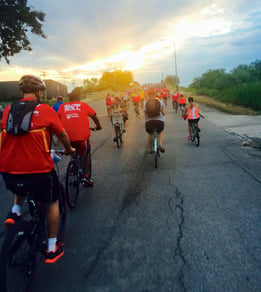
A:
x: 118, y: 140
x: 155, y: 151
x: 121, y: 136
x: 63, y: 213
x: 197, y: 139
x: 90, y: 164
x: 72, y: 183
x: 18, y: 259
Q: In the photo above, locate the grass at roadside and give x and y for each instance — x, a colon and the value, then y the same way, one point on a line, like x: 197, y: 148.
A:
x: 224, y: 107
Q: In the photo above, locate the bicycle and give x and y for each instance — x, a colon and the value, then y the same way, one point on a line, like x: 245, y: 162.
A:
x: 182, y: 106
x: 155, y: 148
x: 74, y: 175
x: 137, y: 109
x: 109, y: 110
x: 195, y: 133
x: 175, y: 105
x: 25, y: 244
x: 118, y: 125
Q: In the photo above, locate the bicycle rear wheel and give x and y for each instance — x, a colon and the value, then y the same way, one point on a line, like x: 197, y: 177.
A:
x: 155, y: 150
x: 89, y: 164
x: 18, y: 259
x: 197, y: 139
x: 72, y: 183
x: 118, y: 139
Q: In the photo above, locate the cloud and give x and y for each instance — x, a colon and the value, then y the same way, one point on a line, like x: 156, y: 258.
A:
x: 86, y: 38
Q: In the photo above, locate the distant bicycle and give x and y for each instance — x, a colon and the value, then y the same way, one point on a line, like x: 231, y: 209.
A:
x: 118, y: 125
x: 195, y: 134
x: 175, y: 105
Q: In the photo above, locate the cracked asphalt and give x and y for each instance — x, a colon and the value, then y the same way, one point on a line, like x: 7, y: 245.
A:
x: 193, y: 224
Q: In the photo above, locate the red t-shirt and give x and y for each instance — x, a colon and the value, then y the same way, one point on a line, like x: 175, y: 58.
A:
x: 136, y: 98
x: 74, y: 117
x: 182, y: 100
x: 175, y: 96
x: 165, y: 94
x: 29, y: 153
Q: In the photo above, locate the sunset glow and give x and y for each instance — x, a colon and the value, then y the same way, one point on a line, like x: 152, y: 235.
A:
x: 204, y: 22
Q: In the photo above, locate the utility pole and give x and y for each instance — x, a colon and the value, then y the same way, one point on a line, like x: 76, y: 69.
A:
x: 176, y: 71
x: 175, y: 64
x: 45, y: 92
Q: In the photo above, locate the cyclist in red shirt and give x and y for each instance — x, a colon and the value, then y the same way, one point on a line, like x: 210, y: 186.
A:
x: 136, y: 103
x: 182, y: 102
x: 175, y: 97
x: 108, y: 102
x: 74, y: 116
x: 26, y: 163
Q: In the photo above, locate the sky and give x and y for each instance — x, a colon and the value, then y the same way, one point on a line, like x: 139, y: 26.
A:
x: 86, y: 38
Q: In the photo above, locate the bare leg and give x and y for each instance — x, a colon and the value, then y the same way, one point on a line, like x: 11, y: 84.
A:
x: 86, y: 164
x: 53, y: 217
x: 189, y: 129
x: 150, y: 142
x: 160, y: 138
x: 18, y: 200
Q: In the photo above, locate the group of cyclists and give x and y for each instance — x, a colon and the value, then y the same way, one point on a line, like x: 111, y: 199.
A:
x: 139, y: 98
x: 26, y: 164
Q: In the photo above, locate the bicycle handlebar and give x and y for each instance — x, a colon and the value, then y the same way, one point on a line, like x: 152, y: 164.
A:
x: 60, y: 151
x: 95, y: 129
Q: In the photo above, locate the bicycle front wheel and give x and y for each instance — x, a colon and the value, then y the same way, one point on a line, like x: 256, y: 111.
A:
x: 17, y: 259
x: 72, y: 183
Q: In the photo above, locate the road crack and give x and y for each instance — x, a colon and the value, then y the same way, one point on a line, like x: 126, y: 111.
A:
x: 178, y: 252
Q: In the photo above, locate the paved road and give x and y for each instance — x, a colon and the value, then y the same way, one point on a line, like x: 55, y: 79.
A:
x: 193, y: 224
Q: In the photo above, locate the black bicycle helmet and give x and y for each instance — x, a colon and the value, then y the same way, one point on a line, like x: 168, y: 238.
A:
x: 31, y: 83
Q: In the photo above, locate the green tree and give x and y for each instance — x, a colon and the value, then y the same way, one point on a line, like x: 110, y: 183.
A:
x: 117, y: 80
x: 171, y: 80
x: 16, y: 19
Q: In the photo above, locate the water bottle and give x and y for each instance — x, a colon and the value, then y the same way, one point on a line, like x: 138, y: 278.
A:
x: 56, y: 158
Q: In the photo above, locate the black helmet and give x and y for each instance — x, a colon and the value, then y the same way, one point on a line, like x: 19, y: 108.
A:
x: 31, y: 83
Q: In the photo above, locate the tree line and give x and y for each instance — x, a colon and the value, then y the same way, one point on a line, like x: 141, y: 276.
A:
x: 240, y: 86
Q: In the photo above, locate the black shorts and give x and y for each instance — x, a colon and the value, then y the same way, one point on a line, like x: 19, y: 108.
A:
x: 154, y: 125
x: 44, y: 187
x: 193, y: 121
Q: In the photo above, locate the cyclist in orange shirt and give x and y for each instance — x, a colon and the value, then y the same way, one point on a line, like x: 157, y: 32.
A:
x: 192, y: 112
x: 26, y: 163
x: 74, y: 116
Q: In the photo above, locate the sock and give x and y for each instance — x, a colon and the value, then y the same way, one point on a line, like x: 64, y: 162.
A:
x: 16, y: 209
x: 52, y: 243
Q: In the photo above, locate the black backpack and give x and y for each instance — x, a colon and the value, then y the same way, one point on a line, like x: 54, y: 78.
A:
x: 19, y: 117
x: 152, y: 108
